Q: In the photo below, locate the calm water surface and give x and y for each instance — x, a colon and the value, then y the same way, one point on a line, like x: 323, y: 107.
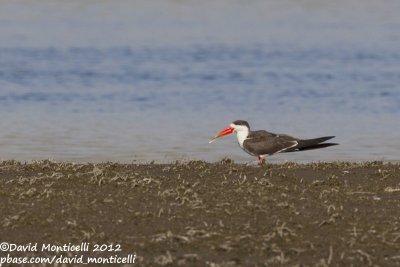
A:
x: 143, y: 81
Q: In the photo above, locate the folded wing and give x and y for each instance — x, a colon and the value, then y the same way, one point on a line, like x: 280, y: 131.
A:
x: 266, y: 143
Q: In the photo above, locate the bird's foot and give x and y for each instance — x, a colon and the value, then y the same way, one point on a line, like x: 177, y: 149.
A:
x: 261, y: 160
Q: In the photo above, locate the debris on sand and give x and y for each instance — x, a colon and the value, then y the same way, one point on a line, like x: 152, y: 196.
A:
x: 210, y: 214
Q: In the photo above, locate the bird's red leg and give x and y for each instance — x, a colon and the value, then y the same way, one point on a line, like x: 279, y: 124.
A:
x: 261, y: 160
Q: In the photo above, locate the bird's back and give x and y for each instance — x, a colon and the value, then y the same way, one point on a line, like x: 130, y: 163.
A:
x: 266, y: 143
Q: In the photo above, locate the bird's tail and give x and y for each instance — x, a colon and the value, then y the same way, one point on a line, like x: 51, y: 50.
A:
x: 308, y: 144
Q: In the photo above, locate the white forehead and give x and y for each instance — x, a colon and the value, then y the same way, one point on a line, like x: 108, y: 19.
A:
x: 238, y: 127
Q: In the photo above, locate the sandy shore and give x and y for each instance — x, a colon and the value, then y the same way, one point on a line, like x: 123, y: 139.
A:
x: 203, y: 214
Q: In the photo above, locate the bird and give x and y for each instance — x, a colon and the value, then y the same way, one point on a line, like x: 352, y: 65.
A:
x: 262, y: 143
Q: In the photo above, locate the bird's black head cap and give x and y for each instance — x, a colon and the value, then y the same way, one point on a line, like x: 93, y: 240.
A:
x: 241, y: 122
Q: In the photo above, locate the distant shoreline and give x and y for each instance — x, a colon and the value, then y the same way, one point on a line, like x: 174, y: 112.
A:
x: 251, y: 162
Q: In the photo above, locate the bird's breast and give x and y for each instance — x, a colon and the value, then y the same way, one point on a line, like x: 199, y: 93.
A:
x: 241, y: 137
x: 243, y: 146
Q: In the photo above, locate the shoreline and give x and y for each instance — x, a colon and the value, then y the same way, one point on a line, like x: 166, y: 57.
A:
x: 197, y: 213
x: 183, y: 160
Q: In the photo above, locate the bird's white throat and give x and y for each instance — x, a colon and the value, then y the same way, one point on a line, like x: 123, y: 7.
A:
x: 241, y: 135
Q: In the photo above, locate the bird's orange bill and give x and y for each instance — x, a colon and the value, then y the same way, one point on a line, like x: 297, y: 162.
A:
x: 224, y: 132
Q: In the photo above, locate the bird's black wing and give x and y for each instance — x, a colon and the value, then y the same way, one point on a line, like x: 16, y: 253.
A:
x: 266, y: 143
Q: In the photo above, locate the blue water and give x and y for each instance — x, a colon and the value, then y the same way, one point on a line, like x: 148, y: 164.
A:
x: 68, y: 91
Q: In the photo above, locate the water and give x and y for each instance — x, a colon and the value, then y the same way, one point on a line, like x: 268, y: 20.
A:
x: 141, y: 81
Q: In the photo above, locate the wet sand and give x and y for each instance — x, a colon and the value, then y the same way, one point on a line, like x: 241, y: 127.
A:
x: 203, y: 214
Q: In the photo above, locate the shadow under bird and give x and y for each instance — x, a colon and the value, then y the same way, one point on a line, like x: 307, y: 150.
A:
x: 262, y: 143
